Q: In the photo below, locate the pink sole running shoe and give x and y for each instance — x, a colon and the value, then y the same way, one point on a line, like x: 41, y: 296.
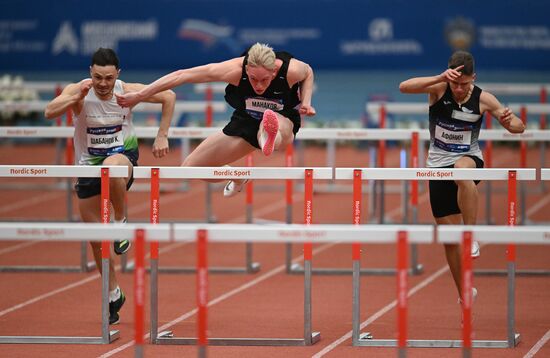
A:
x: 270, y: 127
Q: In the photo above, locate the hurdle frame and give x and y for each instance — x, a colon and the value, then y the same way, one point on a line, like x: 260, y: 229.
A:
x: 64, y: 171
x: 380, y: 135
x: 366, y: 339
x: 308, y: 174
x: 155, y: 174
x: 105, y: 173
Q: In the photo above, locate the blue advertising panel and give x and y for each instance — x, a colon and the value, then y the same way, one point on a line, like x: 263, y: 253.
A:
x: 329, y: 34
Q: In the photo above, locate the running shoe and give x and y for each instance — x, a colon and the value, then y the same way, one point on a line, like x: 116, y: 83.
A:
x: 475, y: 249
x: 121, y: 247
x: 114, y: 307
x: 269, y: 128
x: 474, y: 295
x: 232, y: 188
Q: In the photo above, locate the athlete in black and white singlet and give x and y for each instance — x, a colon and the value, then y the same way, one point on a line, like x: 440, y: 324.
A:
x: 454, y: 129
x: 278, y: 97
x: 102, y: 129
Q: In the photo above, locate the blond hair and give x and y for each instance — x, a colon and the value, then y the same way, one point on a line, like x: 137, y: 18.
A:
x: 261, y: 55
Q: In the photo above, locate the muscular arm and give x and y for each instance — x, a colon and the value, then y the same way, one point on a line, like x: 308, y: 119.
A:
x: 71, y: 97
x: 505, y: 116
x: 299, y: 71
x: 168, y: 100
x: 227, y: 71
x: 433, y: 85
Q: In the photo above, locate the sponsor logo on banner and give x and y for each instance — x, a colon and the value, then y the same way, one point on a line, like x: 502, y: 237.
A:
x: 209, y: 34
x: 14, y: 37
x: 381, y: 42
x: 95, y: 34
x: 278, y: 36
x: 212, y: 35
x: 536, y: 37
x: 460, y: 33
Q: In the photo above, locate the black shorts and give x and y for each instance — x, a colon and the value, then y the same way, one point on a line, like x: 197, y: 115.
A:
x: 246, y: 127
x: 443, y: 194
x: 88, y: 187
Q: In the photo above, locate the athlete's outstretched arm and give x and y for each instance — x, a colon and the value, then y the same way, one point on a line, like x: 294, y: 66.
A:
x: 72, y: 95
x: 227, y: 71
x: 168, y: 100
x: 505, y: 116
x: 299, y: 71
x: 429, y: 84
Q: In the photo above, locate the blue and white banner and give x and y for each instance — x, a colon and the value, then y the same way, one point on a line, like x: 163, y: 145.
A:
x: 368, y: 34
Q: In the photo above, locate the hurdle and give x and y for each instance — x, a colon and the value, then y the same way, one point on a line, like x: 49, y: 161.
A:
x: 307, y: 174
x: 155, y: 174
x: 380, y: 135
x: 58, y: 171
x: 13, y: 231
x: 512, y: 175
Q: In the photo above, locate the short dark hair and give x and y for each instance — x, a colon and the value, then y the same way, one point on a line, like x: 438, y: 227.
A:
x: 105, y: 57
x: 460, y: 58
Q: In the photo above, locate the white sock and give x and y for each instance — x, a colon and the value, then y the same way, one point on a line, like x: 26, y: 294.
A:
x: 114, y: 294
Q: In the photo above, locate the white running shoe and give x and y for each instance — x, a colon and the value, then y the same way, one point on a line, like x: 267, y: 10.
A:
x: 475, y: 249
x: 474, y: 295
x: 268, y: 132
x: 232, y: 188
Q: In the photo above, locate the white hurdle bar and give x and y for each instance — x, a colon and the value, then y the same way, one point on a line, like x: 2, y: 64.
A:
x: 545, y: 174
x: 180, y: 106
x: 15, y: 231
x: 58, y: 171
x: 512, y: 175
x: 228, y: 173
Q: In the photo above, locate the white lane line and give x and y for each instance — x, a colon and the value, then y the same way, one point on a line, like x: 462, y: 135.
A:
x: 381, y: 312
x: 538, y: 345
x: 65, y: 288
x: 28, y: 202
x: 537, y: 206
x: 49, y: 294
x: 16, y: 247
x: 218, y: 299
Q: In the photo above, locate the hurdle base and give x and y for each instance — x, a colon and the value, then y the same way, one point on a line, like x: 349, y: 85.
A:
x: 494, y: 272
x: 166, y: 337
x: 254, y: 268
x: 365, y: 341
x: 299, y: 269
x: 90, y: 266
x: 113, y: 335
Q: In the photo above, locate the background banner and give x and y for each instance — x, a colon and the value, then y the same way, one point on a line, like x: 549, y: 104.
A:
x: 328, y: 34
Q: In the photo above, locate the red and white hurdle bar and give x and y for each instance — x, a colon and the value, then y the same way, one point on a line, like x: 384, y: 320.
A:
x: 15, y: 231
x: 511, y: 175
x: 303, y: 234
x: 228, y: 173
x: 57, y: 171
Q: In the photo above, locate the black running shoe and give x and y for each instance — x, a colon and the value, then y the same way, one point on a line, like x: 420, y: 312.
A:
x: 114, y: 307
x: 121, y: 247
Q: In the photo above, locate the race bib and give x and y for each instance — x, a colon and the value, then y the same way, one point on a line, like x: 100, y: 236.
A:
x: 105, y: 141
x: 456, y: 141
x: 256, y: 106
